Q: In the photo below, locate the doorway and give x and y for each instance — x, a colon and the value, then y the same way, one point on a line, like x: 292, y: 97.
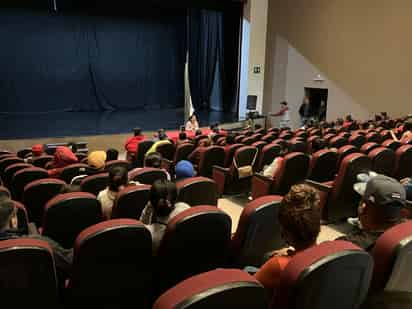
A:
x: 318, y: 98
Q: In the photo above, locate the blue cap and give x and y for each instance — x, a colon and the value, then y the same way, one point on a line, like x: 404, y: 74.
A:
x: 184, y: 169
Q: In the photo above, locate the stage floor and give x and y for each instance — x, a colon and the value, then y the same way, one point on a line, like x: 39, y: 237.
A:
x: 66, y: 124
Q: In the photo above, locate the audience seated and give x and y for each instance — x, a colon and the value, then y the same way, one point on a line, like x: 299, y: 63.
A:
x: 62, y: 157
x: 299, y: 218
x: 184, y: 169
x: 194, y: 157
x: 160, y: 140
x: 268, y: 171
x: 380, y: 208
x: 37, y: 150
x: 96, y: 160
x: 182, y: 139
x: 133, y: 142
x: 162, y: 207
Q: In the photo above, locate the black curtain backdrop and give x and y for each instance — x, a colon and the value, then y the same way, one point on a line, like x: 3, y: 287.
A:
x: 51, y: 63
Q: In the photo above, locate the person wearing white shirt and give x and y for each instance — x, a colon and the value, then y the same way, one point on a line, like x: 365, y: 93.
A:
x: 192, y: 124
x: 283, y: 114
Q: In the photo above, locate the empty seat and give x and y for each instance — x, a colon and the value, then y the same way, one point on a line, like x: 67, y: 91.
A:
x: 368, y: 147
x: 338, y: 199
x: 37, y: 193
x: 314, y: 277
x: 66, y: 215
x: 28, y: 276
x: 167, y: 150
x: 7, y: 161
x: 357, y: 140
x: 197, y: 191
x: 22, y: 153
x: 142, y: 148
x: 220, y: 288
x: 230, y: 180
x: 268, y: 138
x: 248, y: 140
x: 95, y: 183
x: 112, y: 265
x: 291, y: 170
x: 130, y: 202
x: 392, y: 144
x: 211, y: 156
x: 259, y: 145
x: 383, y: 160
x: 344, y: 151
x: 229, y: 153
x: 11, y: 170
x: 258, y: 231
x: 392, y: 254
x: 403, y: 163
x: 337, y: 142
x: 373, y: 137
x: 73, y: 170
x: 297, y: 145
x: 202, y: 233
x: 239, y: 138
x: 24, y: 177
x: 42, y: 161
x: 182, y: 152
x: 117, y: 163
x: 147, y: 175
x: 323, y: 165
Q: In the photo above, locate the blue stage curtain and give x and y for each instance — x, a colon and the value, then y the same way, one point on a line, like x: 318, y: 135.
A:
x: 55, y: 63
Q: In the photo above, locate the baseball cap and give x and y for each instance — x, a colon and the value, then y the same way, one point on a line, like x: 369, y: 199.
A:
x: 184, y: 169
x: 381, y: 190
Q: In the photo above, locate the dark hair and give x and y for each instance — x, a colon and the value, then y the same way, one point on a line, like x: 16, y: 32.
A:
x: 349, y: 118
x: 163, y: 194
x: 111, y: 154
x: 182, y: 136
x: 6, y: 211
x: 117, y: 177
x: 284, y: 103
x: 191, y: 116
x: 137, y: 131
x: 205, y: 142
x: 365, y: 125
x: 198, y: 132
x: 230, y: 139
x: 318, y: 144
x: 72, y: 146
x: 153, y: 159
x: 161, y: 135
x: 407, y: 126
x: 339, y: 121
x: 299, y: 215
x: 258, y: 126
x: 378, y: 117
x: 66, y: 188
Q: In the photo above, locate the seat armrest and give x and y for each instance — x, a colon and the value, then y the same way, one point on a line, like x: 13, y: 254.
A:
x: 219, y: 175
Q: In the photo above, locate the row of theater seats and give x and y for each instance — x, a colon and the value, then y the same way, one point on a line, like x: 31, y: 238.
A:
x: 113, y: 266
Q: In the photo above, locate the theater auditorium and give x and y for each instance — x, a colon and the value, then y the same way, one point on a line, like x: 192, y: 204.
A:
x: 205, y: 154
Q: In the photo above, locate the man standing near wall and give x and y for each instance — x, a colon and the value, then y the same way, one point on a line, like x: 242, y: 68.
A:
x: 284, y: 115
x: 304, y: 111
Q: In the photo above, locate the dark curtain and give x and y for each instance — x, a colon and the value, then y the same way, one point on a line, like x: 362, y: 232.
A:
x: 51, y: 63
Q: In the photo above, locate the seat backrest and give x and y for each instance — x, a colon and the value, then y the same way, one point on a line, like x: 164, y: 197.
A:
x: 314, y: 277
x: 73, y: 170
x: 403, y: 163
x: 323, y: 165
x: 297, y: 145
x: 345, y: 151
x: 239, y: 138
x: 258, y: 231
x: 373, y: 137
x: 202, y: 233
x: 368, y: 147
x: 383, y: 160
x: 11, y: 170
x: 66, y: 215
x: 220, y: 288
x: 357, y: 140
x: 147, y: 175
x: 37, y: 193
x: 268, y: 154
x: 183, y: 151
x: 131, y: 201
x: 343, y: 200
x: 393, y: 255
x: 293, y: 169
x: 196, y: 191
x: 23, y: 177
x: 142, y: 148
x: 259, y: 145
x: 28, y: 272
x: 22, y: 153
x: 95, y: 183
x: 268, y: 138
x: 117, y: 163
x: 249, y: 140
x: 42, y: 161
x: 167, y: 150
x: 22, y: 218
x: 114, y: 259
x: 338, y: 142
x: 7, y: 161
x: 392, y: 144
x: 229, y: 153
x: 213, y: 155
x: 244, y: 156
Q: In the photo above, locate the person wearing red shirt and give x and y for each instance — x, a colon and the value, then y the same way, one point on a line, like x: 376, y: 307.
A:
x: 133, y: 142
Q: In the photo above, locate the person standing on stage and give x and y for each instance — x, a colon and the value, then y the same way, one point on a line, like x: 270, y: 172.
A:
x: 192, y: 124
x: 284, y: 114
x: 304, y: 111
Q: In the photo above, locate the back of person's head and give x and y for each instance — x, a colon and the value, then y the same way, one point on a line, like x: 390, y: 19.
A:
x: 230, y: 139
x: 382, y: 200
x: 184, y: 169
x: 118, y: 178
x: 407, y: 126
x: 153, y: 159
x: 339, y: 121
x: 198, y: 132
x: 37, y: 150
x: 348, y: 118
x: 70, y: 188
x: 163, y: 194
x: 182, y: 136
x: 73, y: 146
x: 137, y: 131
x: 205, y: 142
x: 7, y: 212
x: 284, y: 103
x: 112, y: 154
x: 97, y: 159
x: 318, y: 144
x: 299, y: 216
x: 161, y: 134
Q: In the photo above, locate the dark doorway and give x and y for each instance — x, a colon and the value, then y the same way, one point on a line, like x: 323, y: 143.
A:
x: 318, y: 98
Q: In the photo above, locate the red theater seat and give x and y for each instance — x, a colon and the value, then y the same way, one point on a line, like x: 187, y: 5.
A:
x: 220, y: 288
x: 131, y: 201
x: 383, y: 160
x: 37, y: 193
x: 197, y: 191
x: 112, y: 265
x: 337, y: 142
x: 167, y: 151
x: 258, y: 231
x: 24, y: 177
x: 142, y: 148
x: 73, y: 170
x: 6, y: 162
x: 267, y: 155
x: 118, y: 163
x: 66, y: 215
x: 42, y: 161
x: 315, y: 277
x: 147, y: 175
x: 357, y: 140
x: 229, y: 153
x: 292, y: 169
x: 403, y: 163
x: 182, y: 152
x: 368, y: 147
x: 323, y: 165
x: 95, y: 183
x: 343, y: 152
x: 210, y: 156
x: 11, y: 170
x: 28, y: 276
x: 392, y: 144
